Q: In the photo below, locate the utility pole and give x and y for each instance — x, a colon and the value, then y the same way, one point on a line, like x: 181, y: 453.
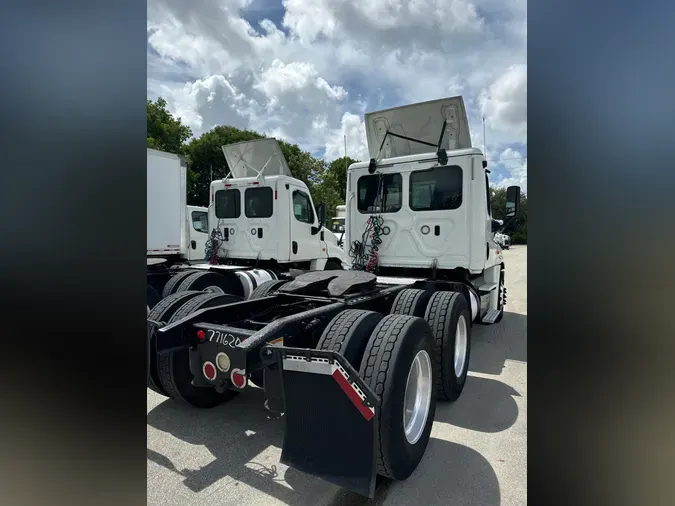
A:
x: 484, y: 152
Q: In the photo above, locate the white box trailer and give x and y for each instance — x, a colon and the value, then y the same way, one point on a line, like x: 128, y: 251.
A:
x: 174, y: 229
x: 176, y: 233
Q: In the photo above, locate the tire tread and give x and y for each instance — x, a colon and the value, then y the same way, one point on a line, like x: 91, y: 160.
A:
x: 376, y: 364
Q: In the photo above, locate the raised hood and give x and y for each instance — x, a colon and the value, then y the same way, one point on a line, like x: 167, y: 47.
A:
x: 246, y: 159
x: 422, y: 121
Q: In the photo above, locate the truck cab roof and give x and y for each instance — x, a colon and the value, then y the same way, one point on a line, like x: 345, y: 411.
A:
x: 252, y: 158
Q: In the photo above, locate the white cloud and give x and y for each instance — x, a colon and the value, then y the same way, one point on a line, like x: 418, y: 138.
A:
x: 516, y: 166
x: 353, y: 127
x: 504, y: 103
x: 338, y: 59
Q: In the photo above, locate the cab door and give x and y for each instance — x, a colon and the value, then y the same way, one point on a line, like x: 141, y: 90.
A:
x: 198, y: 226
x: 304, y: 229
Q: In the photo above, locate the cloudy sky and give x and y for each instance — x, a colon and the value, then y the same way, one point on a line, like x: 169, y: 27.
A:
x: 306, y: 70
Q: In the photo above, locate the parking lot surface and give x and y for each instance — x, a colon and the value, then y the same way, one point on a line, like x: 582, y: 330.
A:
x: 477, y: 454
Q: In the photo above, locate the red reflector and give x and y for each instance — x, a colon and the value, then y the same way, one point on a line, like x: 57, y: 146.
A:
x: 209, y: 370
x: 201, y: 335
x: 227, y: 185
x: 275, y: 194
x: 256, y: 182
x: 238, y: 379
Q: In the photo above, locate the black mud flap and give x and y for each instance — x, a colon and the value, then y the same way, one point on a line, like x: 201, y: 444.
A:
x: 331, y: 416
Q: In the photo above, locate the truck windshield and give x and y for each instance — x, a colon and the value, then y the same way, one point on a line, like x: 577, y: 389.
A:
x: 380, y: 193
x: 259, y: 202
x: 228, y: 204
x: 436, y: 189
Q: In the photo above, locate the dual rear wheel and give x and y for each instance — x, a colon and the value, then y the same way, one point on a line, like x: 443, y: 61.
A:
x: 410, y: 359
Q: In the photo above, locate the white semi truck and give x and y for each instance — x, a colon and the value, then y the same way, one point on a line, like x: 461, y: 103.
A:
x: 262, y: 224
x: 357, y: 359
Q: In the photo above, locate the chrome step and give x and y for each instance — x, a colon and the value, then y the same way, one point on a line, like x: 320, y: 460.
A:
x: 490, y: 316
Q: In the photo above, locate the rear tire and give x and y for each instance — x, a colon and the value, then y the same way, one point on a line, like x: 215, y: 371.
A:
x: 348, y: 334
x: 265, y: 288
x: 411, y: 302
x: 395, y: 343
x: 174, y: 281
x: 449, y: 317
x: 174, y: 368
x: 162, y: 312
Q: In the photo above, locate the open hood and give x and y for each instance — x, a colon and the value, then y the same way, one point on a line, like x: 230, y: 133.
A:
x: 422, y: 121
x: 246, y: 159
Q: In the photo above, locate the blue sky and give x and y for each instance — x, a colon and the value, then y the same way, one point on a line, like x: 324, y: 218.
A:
x: 306, y: 71
x: 258, y: 10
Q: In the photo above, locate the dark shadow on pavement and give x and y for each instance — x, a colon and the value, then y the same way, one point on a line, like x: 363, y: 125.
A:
x: 493, y: 345
x: 235, y: 433
x: 486, y: 405
x: 238, y: 431
x: 448, y: 474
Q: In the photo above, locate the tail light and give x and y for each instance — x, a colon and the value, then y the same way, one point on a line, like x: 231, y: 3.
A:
x: 209, y: 371
x: 238, y: 378
x: 201, y: 335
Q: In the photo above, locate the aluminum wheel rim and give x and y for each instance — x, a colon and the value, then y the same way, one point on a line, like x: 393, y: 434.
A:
x: 417, y: 397
x: 460, y: 346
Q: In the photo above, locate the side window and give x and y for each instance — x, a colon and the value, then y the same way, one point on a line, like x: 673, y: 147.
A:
x: 302, y: 207
x: 380, y: 193
x: 487, y: 193
x: 228, y: 204
x: 259, y: 202
x: 200, y: 221
x: 436, y: 189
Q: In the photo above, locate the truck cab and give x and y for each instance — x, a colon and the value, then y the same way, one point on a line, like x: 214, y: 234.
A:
x: 424, y: 197
x: 429, y: 212
x: 264, y: 214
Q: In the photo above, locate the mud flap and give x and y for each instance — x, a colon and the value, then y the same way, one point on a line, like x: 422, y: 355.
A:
x: 331, y: 416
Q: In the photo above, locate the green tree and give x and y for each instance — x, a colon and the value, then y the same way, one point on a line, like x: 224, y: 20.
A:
x: 165, y: 132
x: 336, y: 175
x: 205, y: 154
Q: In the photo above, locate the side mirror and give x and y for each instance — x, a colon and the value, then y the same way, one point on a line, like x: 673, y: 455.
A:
x: 496, y: 225
x: 321, y: 214
x: 512, y: 201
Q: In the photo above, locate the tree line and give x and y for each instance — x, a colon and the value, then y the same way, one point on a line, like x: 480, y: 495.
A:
x: 327, y: 181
